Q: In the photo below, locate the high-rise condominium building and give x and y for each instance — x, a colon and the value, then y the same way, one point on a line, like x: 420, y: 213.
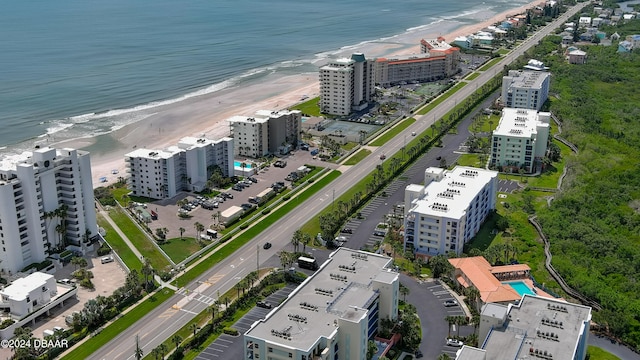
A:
x: 46, y: 204
x: 346, y: 85
x: 333, y: 314
x: 268, y: 132
x: 448, y: 210
x: 520, y: 140
x: 525, y: 89
x: 161, y: 174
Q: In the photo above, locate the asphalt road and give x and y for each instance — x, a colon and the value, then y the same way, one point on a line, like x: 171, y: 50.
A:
x: 163, y: 321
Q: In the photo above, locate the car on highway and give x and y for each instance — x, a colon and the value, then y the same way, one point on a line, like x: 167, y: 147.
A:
x: 450, y: 302
x: 413, y: 133
x: 454, y: 342
x: 264, y: 304
x: 266, y: 246
x: 383, y: 156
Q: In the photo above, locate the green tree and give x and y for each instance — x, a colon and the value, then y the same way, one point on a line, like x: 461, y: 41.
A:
x: 404, y: 291
x: 176, y: 340
x: 372, y: 349
x: 440, y: 266
x: 182, y: 230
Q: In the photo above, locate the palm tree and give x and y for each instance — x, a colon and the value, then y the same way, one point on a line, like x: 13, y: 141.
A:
x: 404, y: 291
x: 146, y: 271
x: 194, y: 328
x: 182, y: 230
x: 450, y: 320
x: 176, y: 340
x: 213, y: 308
x: 295, y: 239
x: 163, y: 350
x: 199, y: 228
x: 306, y: 239
x: 156, y: 353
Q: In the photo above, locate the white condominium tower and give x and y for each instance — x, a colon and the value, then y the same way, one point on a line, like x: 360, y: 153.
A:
x: 267, y: 132
x: 525, y: 89
x: 448, y: 210
x: 346, y: 85
x: 46, y: 204
x: 520, y: 140
x: 161, y: 174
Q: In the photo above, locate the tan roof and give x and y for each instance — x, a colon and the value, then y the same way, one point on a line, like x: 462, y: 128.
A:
x: 477, y: 271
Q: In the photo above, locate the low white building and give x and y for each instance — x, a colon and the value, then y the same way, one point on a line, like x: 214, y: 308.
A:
x: 161, y: 174
x: 332, y: 314
x: 520, y: 140
x: 448, y: 210
x: 27, y: 294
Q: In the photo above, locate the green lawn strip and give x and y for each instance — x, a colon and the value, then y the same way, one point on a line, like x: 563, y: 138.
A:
x: 437, y: 101
x: 180, y: 249
x: 309, y: 107
x: 139, y: 239
x: 504, y: 51
x: 490, y: 64
x: 472, y: 76
x: 119, y: 246
x: 125, y: 321
x: 391, y: 133
x: 469, y: 160
x: 596, y: 353
x: 549, y: 178
x: 250, y: 233
x: 349, y: 146
x: 357, y: 157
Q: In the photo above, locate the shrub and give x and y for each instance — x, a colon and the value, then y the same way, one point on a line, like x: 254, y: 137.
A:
x: 311, y: 181
x: 104, y: 250
x: 266, y: 211
x: 244, y: 226
x: 286, y: 197
x: 230, y: 331
x: 6, y: 323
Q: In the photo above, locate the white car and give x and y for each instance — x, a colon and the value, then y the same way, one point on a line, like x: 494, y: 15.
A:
x: 454, y: 342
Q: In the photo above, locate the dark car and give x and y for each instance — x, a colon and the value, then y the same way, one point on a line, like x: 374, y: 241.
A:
x: 264, y: 304
x: 347, y: 231
x: 252, y: 179
x: 439, y: 158
x: 418, y: 354
x: 266, y: 246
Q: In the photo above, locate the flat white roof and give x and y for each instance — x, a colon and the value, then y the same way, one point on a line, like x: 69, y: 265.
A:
x: 153, y: 154
x: 451, y: 196
x: 20, y: 288
x: 312, y: 311
x: 518, y: 123
x: 247, y: 119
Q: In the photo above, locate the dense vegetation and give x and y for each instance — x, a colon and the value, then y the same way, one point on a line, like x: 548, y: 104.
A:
x: 594, y: 222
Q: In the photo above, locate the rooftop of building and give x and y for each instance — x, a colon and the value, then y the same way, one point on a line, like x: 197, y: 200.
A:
x: 411, y: 58
x: 9, y: 162
x: 153, y: 154
x: 538, y: 324
x: 191, y: 142
x: 480, y: 274
x: 520, y: 123
x: 527, y: 78
x: 470, y: 353
x: 20, y: 288
x: 451, y: 196
x: 276, y: 113
x: 341, y: 289
x: 248, y: 119
x: 436, y: 44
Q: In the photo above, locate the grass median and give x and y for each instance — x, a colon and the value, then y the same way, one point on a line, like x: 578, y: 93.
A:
x: 391, y: 133
x: 111, y: 331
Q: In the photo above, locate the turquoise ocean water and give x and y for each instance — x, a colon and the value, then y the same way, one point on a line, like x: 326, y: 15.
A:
x: 73, y: 68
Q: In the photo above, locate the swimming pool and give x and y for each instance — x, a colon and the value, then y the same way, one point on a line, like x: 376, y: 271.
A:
x: 520, y: 287
x: 238, y: 164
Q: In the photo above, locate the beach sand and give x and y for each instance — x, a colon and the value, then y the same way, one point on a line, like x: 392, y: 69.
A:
x: 206, y: 115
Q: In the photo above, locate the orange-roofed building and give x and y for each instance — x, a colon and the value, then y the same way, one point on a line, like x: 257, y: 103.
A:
x: 496, y: 284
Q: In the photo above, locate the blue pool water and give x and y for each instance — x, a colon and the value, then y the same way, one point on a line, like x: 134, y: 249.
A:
x: 238, y: 164
x: 520, y: 287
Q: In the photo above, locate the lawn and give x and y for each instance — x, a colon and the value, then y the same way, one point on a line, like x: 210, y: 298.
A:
x: 469, y: 160
x: 231, y: 246
x: 357, y: 157
x: 472, y: 76
x: 490, y: 64
x: 504, y: 51
x: 348, y: 146
x: 92, y: 344
x: 391, y: 133
x: 549, y: 179
x: 596, y: 353
x: 440, y: 99
x: 119, y: 246
x: 178, y: 250
x: 139, y: 239
x: 309, y: 107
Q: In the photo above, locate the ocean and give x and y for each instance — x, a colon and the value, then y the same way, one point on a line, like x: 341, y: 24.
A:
x: 80, y: 68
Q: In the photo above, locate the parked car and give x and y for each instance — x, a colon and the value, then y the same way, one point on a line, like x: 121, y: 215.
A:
x: 264, y: 304
x: 454, y: 342
x: 252, y: 179
x: 347, y: 231
x: 450, y: 302
x: 418, y: 354
x: 227, y: 195
x: 106, y: 259
x: 266, y: 246
x: 439, y: 158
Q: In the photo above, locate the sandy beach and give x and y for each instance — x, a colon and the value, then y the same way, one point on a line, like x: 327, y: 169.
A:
x: 206, y: 115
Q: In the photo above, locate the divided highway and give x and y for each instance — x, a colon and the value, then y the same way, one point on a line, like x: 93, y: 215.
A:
x: 162, y: 322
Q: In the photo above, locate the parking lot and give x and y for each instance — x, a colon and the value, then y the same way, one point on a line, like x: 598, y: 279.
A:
x: 167, y: 209
x: 231, y: 347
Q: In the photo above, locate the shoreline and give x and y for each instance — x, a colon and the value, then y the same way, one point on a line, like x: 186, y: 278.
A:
x: 205, y: 115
